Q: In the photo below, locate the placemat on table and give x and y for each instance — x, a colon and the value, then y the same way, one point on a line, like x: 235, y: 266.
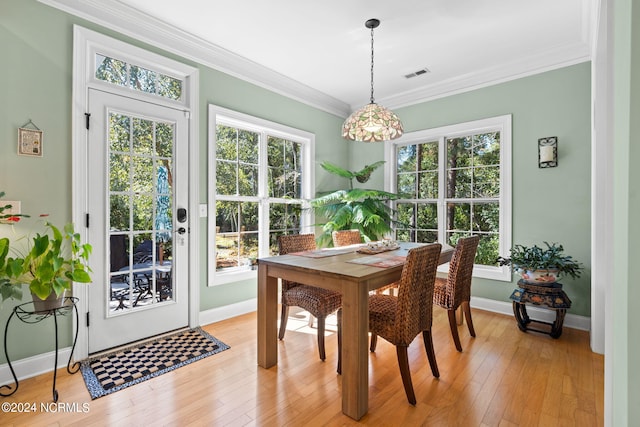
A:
x: 380, y: 261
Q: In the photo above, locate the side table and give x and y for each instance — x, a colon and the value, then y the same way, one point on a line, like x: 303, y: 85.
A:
x: 27, y: 314
x: 551, y: 297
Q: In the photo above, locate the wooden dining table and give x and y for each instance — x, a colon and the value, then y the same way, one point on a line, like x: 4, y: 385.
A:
x: 353, y: 274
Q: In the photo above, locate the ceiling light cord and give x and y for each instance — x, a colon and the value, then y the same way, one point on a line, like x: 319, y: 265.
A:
x: 372, y: 99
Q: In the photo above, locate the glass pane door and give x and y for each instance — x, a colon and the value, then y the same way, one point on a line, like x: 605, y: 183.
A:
x: 140, y: 198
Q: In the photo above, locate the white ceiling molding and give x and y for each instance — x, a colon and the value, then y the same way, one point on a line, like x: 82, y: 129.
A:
x: 130, y: 22
x: 127, y: 20
x: 561, y: 57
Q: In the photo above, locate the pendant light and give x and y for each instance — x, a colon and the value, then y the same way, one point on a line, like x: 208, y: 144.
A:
x: 373, y: 122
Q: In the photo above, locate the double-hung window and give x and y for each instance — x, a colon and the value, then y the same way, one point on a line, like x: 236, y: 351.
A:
x: 454, y: 182
x: 260, y: 182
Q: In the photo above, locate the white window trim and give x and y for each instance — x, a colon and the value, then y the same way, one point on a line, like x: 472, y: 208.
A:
x: 85, y: 44
x: 500, y: 123
x: 264, y: 127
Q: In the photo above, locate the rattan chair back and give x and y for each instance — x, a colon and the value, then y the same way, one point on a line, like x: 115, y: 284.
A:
x: 319, y: 302
x: 400, y: 319
x: 458, y: 287
x: 346, y: 237
x: 413, y: 310
x: 295, y: 243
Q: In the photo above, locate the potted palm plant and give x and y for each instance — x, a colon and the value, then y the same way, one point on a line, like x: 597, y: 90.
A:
x: 539, y: 265
x: 354, y: 208
x: 51, y: 263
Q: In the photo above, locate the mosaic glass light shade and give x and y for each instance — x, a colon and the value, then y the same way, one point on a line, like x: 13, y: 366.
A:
x: 372, y: 123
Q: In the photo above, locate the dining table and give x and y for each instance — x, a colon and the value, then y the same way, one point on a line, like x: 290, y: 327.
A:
x: 354, y: 274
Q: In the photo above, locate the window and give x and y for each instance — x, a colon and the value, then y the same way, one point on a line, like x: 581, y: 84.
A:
x: 454, y: 182
x: 260, y: 177
x: 121, y: 73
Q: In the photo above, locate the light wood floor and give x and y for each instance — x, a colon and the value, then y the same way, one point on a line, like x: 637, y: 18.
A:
x: 502, y: 378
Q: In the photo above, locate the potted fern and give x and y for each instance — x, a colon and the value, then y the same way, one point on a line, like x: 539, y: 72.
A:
x: 354, y: 208
x: 52, y: 262
x: 542, y: 266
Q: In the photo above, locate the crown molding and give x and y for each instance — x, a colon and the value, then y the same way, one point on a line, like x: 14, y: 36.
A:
x: 561, y: 57
x: 126, y: 20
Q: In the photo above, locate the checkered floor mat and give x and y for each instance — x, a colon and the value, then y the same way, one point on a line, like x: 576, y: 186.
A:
x: 115, y: 371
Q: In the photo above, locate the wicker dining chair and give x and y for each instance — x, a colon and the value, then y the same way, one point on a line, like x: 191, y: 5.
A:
x: 400, y: 319
x: 317, y: 301
x: 346, y: 237
x: 455, y: 290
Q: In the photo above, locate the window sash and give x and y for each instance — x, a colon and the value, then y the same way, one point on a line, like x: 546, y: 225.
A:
x: 267, y: 202
x: 440, y: 136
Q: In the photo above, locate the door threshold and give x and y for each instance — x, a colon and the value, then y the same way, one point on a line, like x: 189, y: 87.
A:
x: 137, y: 343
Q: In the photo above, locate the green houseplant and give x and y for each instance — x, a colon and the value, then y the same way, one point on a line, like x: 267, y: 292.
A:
x: 541, y: 265
x: 51, y: 263
x: 354, y: 208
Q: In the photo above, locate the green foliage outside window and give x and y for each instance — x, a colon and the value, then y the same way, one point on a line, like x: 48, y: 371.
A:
x: 115, y: 71
x: 472, y: 191
x: 238, y: 189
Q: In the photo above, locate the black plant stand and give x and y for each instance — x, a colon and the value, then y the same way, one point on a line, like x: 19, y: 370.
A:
x: 26, y: 313
x: 551, y: 297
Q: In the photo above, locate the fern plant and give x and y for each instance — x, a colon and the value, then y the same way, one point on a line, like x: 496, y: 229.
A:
x: 354, y: 208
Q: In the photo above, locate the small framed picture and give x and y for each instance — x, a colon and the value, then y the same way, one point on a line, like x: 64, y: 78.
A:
x: 30, y: 142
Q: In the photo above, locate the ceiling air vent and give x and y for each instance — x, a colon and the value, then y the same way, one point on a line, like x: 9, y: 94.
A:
x: 417, y: 73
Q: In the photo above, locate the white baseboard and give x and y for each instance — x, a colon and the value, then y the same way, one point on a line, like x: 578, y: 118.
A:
x: 570, y: 321
x: 228, y: 311
x: 36, y: 365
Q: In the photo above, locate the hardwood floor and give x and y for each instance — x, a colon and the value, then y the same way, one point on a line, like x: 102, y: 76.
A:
x: 502, y: 378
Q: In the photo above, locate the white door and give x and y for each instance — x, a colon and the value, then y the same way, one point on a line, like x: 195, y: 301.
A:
x: 138, y: 196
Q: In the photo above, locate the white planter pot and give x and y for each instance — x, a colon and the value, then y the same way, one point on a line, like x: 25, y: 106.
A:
x: 539, y: 277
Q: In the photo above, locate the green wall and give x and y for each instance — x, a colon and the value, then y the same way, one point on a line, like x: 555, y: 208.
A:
x: 553, y: 204
x: 37, y: 52
x: 548, y: 204
x: 624, y: 347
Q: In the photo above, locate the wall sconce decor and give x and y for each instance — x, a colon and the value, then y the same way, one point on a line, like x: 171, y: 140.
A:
x: 548, y: 152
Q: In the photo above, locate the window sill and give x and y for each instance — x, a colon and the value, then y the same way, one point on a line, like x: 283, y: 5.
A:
x: 233, y: 276
x: 481, y: 271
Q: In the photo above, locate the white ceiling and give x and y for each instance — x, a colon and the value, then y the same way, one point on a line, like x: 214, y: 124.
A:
x: 324, y: 46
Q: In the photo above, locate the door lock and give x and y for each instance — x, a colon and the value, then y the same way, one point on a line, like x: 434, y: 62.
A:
x: 182, y: 215
x: 181, y: 230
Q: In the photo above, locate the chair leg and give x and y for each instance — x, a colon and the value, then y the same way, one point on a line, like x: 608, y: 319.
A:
x: 403, y: 363
x: 321, y: 338
x: 283, y: 320
x: 431, y: 354
x: 467, y: 314
x: 339, y: 315
x: 454, y: 328
x: 374, y: 342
